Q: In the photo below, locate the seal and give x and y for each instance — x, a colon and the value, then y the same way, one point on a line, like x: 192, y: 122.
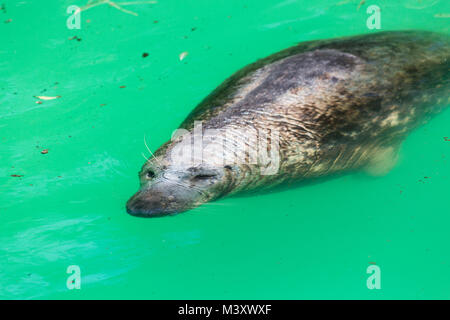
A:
x: 316, y: 109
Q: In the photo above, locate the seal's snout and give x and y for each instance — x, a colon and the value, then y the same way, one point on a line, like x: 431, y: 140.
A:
x: 146, y: 204
x: 145, y: 213
x: 140, y: 208
x: 161, y: 198
x: 167, y: 192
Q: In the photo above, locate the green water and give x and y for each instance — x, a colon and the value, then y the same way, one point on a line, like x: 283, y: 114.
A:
x: 68, y: 207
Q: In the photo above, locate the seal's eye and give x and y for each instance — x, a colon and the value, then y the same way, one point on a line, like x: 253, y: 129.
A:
x: 150, y: 174
x: 204, y: 176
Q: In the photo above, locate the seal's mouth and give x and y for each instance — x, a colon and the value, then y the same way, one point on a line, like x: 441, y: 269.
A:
x: 149, y: 205
x: 145, y: 212
x: 162, y: 200
x: 148, y: 213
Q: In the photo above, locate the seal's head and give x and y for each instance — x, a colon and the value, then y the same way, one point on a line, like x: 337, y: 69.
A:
x: 168, y: 190
x: 171, y: 182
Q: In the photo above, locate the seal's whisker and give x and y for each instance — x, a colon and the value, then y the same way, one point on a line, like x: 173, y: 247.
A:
x: 153, y: 156
x: 145, y: 143
x: 145, y: 157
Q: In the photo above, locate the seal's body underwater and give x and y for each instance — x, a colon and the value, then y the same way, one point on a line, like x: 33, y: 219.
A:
x: 336, y: 105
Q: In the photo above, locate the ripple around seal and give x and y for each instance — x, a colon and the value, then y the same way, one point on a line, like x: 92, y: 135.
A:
x: 67, y: 207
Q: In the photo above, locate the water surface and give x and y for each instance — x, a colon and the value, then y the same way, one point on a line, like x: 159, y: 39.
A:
x: 67, y: 208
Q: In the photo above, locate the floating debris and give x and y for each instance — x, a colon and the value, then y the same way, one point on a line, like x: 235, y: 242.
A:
x: 343, y: 2
x: 17, y: 175
x: 442, y: 15
x: 75, y: 38
x: 47, y: 97
x: 122, y: 87
x: 183, y: 55
x: 361, y: 4
x: 145, y: 55
x: 117, y: 5
x: 45, y: 151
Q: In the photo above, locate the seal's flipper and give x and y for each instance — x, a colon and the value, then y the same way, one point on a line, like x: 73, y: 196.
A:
x: 382, y: 160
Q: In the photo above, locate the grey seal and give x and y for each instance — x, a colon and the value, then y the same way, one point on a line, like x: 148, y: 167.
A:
x: 330, y: 106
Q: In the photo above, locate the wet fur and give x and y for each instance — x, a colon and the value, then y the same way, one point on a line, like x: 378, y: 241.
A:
x: 336, y: 103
